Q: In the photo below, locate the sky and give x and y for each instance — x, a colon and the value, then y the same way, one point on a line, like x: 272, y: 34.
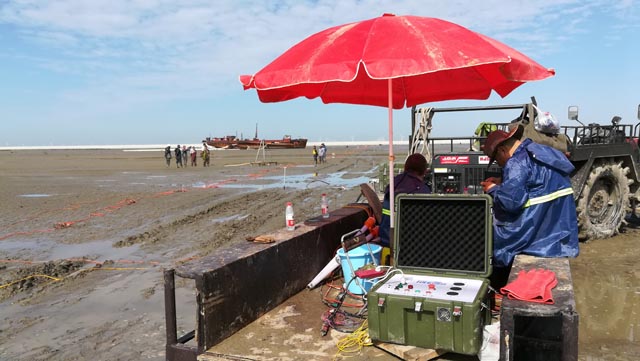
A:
x: 97, y: 72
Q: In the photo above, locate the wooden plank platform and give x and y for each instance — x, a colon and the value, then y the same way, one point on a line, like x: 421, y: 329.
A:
x: 409, y: 353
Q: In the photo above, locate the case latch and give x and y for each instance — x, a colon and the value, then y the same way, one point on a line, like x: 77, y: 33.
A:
x: 418, y: 307
x: 457, y: 311
x: 381, y: 302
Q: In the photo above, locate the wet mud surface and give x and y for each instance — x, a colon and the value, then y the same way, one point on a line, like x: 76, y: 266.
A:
x: 85, y: 236
x: 606, y: 278
x: 102, y: 225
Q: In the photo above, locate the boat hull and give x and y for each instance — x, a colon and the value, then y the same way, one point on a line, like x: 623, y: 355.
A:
x: 285, y: 143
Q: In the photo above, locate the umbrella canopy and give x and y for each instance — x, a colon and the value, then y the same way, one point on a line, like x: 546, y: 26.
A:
x: 429, y: 60
x: 394, y: 61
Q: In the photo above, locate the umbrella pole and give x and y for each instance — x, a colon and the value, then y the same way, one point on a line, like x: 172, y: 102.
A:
x: 392, y: 175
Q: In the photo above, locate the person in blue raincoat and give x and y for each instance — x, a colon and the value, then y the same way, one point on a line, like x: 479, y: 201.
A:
x: 534, y: 209
x: 409, y: 181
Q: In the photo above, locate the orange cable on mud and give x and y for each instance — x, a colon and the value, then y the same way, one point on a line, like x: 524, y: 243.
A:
x: 9, y: 235
x: 259, y: 174
x: 67, y: 224
x: 21, y: 261
x: 111, y: 208
x: 73, y: 206
x: 107, y: 209
x: 218, y: 184
x: 166, y: 193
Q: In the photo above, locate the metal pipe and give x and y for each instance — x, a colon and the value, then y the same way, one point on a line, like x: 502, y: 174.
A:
x: 488, y: 107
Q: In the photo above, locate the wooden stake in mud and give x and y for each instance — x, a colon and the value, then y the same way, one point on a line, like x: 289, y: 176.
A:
x: 284, y: 179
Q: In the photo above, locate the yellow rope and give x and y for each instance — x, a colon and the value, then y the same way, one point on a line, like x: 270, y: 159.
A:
x: 26, y: 278
x: 355, y: 341
x: 83, y: 270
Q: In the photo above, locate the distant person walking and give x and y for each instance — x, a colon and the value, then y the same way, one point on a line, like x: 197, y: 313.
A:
x: 194, y: 155
x: 178, y: 154
x: 205, y: 155
x: 314, y: 151
x: 167, y: 155
x: 322, y: 153
x: 185, y: 155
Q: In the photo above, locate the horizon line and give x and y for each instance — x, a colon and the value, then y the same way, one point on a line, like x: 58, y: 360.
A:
x: 150, y: 147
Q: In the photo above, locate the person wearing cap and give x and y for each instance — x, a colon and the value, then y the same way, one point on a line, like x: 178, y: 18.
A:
x: 322, y: 153
x: 533, y: 205
x: 411, y: 180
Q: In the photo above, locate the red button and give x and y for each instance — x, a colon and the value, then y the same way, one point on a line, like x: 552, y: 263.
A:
x: 432, y: 286
x: 410, y: 287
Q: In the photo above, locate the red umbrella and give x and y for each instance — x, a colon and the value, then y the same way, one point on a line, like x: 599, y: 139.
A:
x: 394, y: 61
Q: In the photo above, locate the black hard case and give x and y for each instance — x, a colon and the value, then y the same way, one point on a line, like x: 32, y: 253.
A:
x: 445, y: 236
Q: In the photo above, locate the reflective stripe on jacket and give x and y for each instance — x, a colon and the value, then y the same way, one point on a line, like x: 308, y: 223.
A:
x: 549, y: 197
x: 533, y: 210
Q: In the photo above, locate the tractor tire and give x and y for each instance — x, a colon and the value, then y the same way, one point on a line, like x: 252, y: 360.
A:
x: 603, y: 202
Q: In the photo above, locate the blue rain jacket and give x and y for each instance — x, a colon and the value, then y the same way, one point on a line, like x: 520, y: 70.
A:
x: 403, y: 183
x: 534, y: 209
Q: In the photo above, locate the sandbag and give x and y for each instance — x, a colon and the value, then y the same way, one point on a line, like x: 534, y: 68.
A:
x: 559, y: 141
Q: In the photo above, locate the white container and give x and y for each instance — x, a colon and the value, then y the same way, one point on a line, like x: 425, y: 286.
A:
x: 325, y: 206
x: 289, y: 218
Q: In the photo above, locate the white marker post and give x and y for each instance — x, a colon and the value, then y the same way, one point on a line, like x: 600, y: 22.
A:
x: 284, y: 179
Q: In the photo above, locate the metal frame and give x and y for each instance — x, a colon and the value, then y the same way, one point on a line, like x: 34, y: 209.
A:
x: 616, y: 143
x: 244, y: 281
x: 175, y: 347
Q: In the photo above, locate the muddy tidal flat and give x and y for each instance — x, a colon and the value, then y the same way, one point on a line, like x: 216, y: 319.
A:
x: 86, y: 234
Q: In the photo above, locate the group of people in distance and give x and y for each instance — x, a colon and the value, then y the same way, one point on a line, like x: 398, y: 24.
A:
x: 184, y: 154
x: 319, y: 154
x: 534, y: 211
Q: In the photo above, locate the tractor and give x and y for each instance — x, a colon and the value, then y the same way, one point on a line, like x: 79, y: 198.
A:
x: 606, y: 184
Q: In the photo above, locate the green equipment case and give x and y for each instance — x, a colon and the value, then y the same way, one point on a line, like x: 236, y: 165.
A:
x: 437, y: 295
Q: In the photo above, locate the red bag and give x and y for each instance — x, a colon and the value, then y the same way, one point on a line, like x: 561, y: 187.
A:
x: 534, y: 286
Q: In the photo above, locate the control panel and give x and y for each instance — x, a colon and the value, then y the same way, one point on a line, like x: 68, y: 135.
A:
x: 434, y: 287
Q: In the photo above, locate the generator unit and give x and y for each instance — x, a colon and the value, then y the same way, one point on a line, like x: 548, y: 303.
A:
x: 437, y: 295
x: 461, y: 173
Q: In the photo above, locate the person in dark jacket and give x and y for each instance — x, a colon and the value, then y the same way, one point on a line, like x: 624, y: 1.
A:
x: 178, y: 153
x: 533, y: 205
x: 409, y: 181
x: 167, y: 155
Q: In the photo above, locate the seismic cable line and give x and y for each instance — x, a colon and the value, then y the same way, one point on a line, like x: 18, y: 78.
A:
x: 112, y: 208
x: 70, y: 207
x: 336, y: 316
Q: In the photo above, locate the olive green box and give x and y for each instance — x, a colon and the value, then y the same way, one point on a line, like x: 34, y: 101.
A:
x: 437, y: 236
